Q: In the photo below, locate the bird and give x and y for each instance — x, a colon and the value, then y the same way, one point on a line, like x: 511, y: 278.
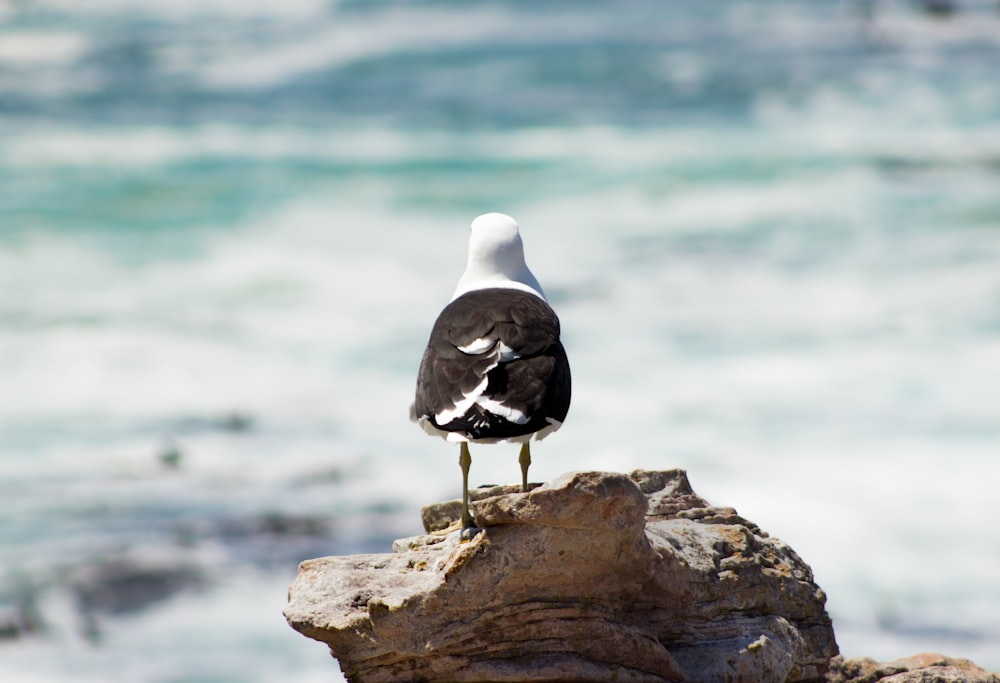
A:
x: 495, y: 369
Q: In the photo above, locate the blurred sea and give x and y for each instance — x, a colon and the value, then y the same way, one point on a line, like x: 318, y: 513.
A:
x: 771, y: 230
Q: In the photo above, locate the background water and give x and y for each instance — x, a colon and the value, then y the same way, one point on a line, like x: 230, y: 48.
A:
x: 771, y: 230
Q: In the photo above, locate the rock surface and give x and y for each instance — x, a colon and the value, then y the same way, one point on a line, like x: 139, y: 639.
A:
x: 592, y: 577
x: 923, y: 668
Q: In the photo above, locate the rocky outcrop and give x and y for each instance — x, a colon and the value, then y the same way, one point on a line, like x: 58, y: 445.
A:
x: 592, y: 577
x: 922, y: 668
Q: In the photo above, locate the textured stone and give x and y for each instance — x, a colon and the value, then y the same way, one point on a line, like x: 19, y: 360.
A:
x: 928, y: 667
x: 591, y: 577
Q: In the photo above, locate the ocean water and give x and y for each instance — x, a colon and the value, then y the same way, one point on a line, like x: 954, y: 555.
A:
x: 771, y: 230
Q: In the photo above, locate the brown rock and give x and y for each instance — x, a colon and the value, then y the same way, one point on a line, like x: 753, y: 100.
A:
x: 592, y: 577
x: 928, y: 667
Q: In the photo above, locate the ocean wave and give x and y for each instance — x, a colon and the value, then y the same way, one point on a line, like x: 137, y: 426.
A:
x: 339, y: 41
x: 824, y: 133
x: 238, y: 9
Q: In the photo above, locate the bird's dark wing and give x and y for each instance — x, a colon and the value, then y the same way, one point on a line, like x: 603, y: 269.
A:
x: 494, y: 367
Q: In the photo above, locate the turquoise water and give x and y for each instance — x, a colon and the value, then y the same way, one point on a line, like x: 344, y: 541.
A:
x: 771, y: 230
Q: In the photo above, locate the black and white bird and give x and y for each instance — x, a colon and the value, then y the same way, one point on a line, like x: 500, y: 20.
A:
x: 494, y: 368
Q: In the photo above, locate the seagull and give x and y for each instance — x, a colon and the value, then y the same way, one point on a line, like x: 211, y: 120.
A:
x: 494, y: 369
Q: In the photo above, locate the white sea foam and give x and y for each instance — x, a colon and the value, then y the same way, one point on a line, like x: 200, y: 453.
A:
x: 631, y: 161
x: 334, y: 44
x: 41, y: 48
x: 255, y: 68
x: 165, y: 632
x: 239, y: 9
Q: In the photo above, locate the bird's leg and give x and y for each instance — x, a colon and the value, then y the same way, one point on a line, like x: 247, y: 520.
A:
x: 465, y: 461
x: 525, y: 460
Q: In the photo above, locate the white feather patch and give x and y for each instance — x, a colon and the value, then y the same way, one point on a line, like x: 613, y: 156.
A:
x: 463, y: 405
x: 500, y: 410
x: 507, y: 354
x: 552, y: 426
x: 479, y: 346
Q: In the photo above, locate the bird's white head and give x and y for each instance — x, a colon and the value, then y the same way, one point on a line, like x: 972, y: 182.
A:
x: 496, y: 257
